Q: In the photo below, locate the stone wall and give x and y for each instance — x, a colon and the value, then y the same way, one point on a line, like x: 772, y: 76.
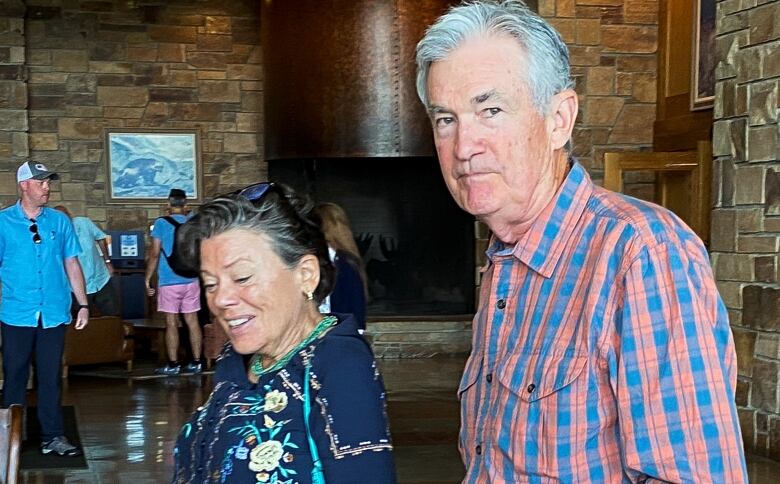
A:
x: 187, y: 63
x: 612, y: 44
x: 13, y: 98
x: 746, y: 221
x: 178, y: 64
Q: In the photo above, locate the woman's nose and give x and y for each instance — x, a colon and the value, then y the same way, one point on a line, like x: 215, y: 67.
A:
x: 223, y: 296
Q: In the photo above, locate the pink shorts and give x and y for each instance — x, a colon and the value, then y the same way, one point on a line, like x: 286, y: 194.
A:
x: 179, y: 298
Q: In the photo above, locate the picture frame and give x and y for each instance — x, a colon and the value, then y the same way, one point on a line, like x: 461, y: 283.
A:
x: 143, y: 165
x: 703, y: 61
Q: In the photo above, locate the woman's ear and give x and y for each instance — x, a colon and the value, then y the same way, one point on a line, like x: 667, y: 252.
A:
x: 308, y: 273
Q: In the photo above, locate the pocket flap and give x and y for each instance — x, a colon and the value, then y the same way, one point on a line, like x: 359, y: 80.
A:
x: 470, y: 374
x: 533, y: 377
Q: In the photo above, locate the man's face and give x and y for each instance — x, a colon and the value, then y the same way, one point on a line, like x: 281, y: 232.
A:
x: 493, y: 145
x: 36, y: 192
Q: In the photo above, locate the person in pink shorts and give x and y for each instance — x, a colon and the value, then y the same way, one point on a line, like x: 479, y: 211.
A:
x: 175, y: 294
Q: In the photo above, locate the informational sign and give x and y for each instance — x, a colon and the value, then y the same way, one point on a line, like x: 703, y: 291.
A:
x: 128, y: 245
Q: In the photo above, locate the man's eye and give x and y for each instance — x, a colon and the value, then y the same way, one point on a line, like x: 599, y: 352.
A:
x: 490, y: 112
x: 444, y: 121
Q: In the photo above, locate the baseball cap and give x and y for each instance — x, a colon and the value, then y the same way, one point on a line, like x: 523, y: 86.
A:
x: 31, y: 170
x: 177, y: 193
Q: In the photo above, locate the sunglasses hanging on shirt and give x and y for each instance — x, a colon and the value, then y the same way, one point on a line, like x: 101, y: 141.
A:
x: 34, y: 229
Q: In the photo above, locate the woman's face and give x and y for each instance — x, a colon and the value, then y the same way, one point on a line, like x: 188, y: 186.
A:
x: 255, y: 297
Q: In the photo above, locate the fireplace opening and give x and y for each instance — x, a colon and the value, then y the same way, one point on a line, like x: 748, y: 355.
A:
x: 417, y: 244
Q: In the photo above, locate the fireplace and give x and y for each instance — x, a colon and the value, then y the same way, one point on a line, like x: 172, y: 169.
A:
x: 418, y: 246
x: 342, y: 122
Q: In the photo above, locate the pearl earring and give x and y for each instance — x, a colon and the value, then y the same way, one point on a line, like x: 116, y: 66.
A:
x: 309, y: 296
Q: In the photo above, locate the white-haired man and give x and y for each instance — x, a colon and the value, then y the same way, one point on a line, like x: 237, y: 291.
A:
x: 601, y: 349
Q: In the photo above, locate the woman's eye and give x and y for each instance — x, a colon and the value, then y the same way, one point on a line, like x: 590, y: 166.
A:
x: 209, y: 287
x: 241, y: 280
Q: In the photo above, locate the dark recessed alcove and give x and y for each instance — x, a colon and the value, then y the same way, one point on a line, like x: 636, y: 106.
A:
x: 417, y: 244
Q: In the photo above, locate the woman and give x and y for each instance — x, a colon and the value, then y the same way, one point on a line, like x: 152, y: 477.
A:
x: 297, y: 395
x: 349, y: 291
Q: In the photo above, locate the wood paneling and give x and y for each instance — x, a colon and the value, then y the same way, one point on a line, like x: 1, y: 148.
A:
x: 677, y: 127
x: 682, y: 181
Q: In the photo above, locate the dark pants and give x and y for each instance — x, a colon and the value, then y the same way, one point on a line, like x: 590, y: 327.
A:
x: 19, y: 344
x: 106, y: 300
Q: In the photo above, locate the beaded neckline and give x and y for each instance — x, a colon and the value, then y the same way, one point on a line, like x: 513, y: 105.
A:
x: 256, y: 364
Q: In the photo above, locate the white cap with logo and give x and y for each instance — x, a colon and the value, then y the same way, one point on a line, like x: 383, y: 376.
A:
x: 31, y: 170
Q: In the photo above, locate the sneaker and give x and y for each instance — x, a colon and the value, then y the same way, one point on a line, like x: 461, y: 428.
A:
x: 193, y: 367
x: 60, y: 446
x: 168, y: 370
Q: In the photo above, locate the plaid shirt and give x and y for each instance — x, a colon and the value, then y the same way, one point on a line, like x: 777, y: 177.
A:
x: 602, y: 352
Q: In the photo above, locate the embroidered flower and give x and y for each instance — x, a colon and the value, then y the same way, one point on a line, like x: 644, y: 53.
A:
x: 265, y: 457
x: 262, y: 477
x: 275, y: 401
x: 241, y: 453
x: 268, y: 422
x: 250, y: 439
x: 288, y: 457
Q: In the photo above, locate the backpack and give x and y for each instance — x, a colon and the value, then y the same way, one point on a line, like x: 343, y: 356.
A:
x: 174, y: 260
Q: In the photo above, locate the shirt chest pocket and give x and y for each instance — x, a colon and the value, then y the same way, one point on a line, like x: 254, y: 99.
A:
x: 545, y: 409
x: 538, y: 376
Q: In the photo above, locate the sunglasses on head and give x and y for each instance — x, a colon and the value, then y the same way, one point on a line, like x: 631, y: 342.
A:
x: 34, y: 229
x: 256, y: 192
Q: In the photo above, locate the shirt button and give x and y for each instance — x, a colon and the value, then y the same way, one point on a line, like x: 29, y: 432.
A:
x: 489, y: 377
x: 479, y: 450
x: 531, y: 388
x: 501, y: 304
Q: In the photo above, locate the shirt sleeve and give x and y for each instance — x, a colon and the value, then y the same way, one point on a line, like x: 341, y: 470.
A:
x: 157, y: 229
x: 2, y: 249
x: 675, y: 373
x: 355, y: 446
x: 72, y: 247
x: 97, y: 234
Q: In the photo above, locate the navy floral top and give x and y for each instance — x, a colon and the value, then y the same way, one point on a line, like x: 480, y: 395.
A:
x: 250, y: 433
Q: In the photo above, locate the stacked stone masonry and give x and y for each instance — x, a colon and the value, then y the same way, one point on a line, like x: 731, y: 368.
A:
x: 612, y: 46
x: 93, y: 65
x: 14, y: 142
x: 745, y: 236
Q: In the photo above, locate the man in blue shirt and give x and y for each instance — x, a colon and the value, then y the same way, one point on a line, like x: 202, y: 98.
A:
x: 176, y: 294
x: 95, y: 264
x: 38, y: 269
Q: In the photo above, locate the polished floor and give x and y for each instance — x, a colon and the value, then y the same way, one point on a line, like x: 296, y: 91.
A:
x: 128, y: 427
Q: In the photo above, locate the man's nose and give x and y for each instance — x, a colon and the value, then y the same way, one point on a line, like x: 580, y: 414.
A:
x: 468, y: 141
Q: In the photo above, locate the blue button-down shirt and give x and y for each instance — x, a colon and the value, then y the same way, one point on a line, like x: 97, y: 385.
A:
x: 34, y: 281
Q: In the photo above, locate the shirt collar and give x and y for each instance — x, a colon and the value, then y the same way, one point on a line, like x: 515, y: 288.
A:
x: 20, y: 212
x: 542, y: 245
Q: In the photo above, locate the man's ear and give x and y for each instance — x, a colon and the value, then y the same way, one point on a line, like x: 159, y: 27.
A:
x: 308, y: 273
x: 563, y: 114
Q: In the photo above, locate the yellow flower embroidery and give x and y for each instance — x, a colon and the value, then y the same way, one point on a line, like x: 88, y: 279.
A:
x: 263, y: 476
x: 266, y: 456
x: 268, y: 422
x: 275, y: 401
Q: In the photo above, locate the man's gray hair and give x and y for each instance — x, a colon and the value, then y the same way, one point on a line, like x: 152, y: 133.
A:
x: 548, y: 58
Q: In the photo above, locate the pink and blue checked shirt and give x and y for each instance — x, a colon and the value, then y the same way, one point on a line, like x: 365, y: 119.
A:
x: 602, y: 352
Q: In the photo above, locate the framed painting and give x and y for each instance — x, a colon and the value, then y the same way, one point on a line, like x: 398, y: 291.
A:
x: 144, y: 164
x: 703, y: 65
